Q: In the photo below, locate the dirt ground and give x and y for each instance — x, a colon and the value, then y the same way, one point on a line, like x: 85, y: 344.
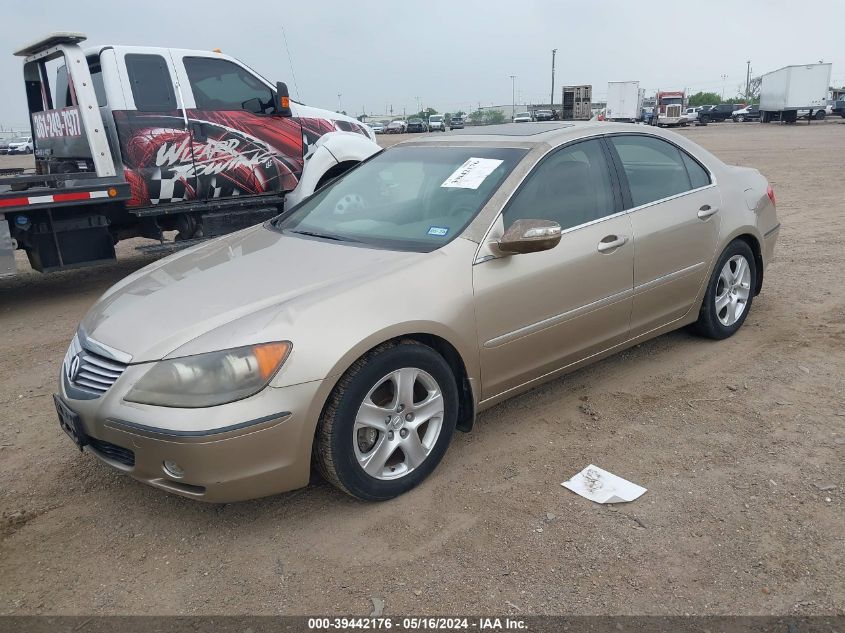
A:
x: 740, y: 444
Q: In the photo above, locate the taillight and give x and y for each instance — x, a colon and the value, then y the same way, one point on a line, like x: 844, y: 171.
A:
x: 771, y: 193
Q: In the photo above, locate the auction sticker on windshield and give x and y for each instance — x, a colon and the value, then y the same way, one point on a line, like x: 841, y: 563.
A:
x: 472, y: 173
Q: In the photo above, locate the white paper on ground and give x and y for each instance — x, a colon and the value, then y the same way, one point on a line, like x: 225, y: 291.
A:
x: 596, y: 484
x: 472, y: 173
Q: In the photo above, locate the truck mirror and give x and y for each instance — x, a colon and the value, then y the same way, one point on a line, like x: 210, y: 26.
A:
x: 282, y: 105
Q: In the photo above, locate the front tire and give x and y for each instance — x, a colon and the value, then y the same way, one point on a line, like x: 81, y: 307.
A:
x: 729, y: 294
x: 388, y: 422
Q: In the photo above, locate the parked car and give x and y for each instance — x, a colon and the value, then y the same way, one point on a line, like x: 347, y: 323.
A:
x: 819, y: 114
x: 20, y: 145
x: 377, y: 127
x: 416, y: 125
x: 204, y: 376
x: 721, y: 112
x: 543, y: 115
x: 456, y: 122
x: 522, y: 117
x: 396, y: 127
x: 4, y: 145
x: 691, y: 114
x: 436, y: 123
x: 749, y: 113
x: 648, y: 115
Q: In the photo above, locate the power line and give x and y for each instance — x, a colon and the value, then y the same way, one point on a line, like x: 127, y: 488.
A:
x: 290, y: 61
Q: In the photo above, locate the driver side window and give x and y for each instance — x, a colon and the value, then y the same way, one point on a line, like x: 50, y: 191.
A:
x: 570, y: 187
x: 219, y: 84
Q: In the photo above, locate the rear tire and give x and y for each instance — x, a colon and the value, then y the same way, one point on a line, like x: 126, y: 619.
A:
x: 730, y: 293
x: 388, y: 422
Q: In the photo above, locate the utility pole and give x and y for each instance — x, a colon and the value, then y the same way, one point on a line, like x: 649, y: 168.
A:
x: 513, y: 96
x: 552, y: 99
x: 723, y: 86
x: 748, y: 80
x: 419, y: 107
x: 339, y: 104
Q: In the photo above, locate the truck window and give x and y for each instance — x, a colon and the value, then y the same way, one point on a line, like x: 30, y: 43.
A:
x: 218, y: 84
x: 152, y: 87
x: 97, y: 79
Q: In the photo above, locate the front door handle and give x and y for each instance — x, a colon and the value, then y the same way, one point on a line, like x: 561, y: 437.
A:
x: 611, y: 243
x: 706, y: 211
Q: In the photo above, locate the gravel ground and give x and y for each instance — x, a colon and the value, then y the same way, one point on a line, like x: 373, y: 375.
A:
x: 739, y: 442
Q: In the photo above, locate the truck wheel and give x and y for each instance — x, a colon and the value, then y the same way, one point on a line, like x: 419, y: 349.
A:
x: 705, y: 119
x: 739, y: 119
x: 819, y: 116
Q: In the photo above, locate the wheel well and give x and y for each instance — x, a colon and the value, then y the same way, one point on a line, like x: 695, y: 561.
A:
x: 336, y: 171
x: 466, y: 402
x: 754, y: 245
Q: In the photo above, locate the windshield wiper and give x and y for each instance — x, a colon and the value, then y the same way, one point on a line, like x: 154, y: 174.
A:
x: 324, y: 236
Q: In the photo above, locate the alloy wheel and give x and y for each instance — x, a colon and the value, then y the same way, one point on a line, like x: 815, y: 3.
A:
x: 398, y: 423
x: 733, y: 290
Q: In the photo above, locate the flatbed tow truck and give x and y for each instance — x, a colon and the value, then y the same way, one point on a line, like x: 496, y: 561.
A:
x: 135, y: 141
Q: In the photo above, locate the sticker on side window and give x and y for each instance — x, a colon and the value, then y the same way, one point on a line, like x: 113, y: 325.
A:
x: 472, y: 173
x: 439, y: 231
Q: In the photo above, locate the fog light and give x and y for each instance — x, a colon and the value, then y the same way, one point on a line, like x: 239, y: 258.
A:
x: 173, y: 469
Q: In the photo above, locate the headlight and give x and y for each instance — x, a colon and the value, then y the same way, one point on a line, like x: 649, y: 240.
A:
x: 206, y: 380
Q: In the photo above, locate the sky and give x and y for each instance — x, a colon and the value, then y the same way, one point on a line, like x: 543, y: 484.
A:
x: 452, y: 55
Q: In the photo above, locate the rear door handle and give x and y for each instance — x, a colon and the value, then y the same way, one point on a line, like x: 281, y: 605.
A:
x: 706, y: 211
x: 611, y: 243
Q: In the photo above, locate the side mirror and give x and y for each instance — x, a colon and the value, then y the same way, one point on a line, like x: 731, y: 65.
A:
x: 282, y: 105
x: 253, y: 105
x: 530, y: 236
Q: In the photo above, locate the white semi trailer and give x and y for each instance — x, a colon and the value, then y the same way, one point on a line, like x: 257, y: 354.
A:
x: 785, y: 91
x: 624, y: 101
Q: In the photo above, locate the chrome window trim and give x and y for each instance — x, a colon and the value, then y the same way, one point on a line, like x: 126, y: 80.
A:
x: 486, y: 241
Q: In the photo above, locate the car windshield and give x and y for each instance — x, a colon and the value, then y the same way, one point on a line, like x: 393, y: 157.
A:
x: 522, y: 114
x: 18, y: 140
x: 436, y: 119
x: 406, y: 198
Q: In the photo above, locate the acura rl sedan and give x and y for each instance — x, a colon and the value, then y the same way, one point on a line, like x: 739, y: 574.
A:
x: 356, y: 331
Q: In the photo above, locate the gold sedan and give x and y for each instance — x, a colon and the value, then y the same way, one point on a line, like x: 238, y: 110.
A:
x: 360, y: 328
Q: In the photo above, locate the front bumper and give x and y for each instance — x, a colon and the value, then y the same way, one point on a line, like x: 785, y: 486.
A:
x: 256, y: 447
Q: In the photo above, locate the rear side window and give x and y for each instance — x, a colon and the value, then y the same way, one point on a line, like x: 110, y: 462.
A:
x: 152, y: 87
x: 570, y: 187
x: 697, y: 174
x: 654, y: 168
x: 219, y: 84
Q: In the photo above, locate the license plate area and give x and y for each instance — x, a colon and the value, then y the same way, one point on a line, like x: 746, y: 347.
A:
x: 70, y: 423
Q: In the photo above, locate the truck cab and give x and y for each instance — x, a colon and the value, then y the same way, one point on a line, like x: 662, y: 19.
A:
x: 190, y: 140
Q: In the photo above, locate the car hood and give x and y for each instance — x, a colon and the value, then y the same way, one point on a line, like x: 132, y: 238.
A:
x: 162, y: 307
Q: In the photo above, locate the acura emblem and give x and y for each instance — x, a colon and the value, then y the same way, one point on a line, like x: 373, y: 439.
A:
x: 73, y: 368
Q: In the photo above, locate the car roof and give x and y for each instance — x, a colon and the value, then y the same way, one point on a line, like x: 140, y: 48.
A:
x: 533, y: 134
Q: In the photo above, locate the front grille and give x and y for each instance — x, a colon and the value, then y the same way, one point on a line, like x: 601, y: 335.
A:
x: 673, y: 111
x: 113, y: 451
x: 90, y: 371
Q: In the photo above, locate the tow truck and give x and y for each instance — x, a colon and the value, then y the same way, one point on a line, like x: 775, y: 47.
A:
x: 137, y: 141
